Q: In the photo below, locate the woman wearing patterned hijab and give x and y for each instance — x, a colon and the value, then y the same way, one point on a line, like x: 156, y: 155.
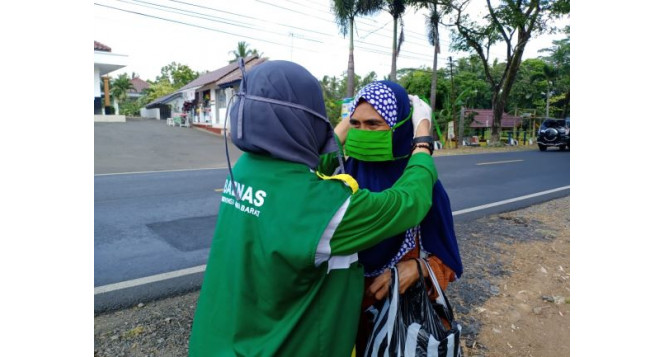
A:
x: 378, y: 144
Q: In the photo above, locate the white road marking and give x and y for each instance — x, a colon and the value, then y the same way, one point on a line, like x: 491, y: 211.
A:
x: 520, y: 198
x: 159, y: 171
x: 148, y: 279
x: 178, y: 273
x: 497, y: 162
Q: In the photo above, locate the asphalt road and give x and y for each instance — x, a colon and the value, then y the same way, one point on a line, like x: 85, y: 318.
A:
x: 151, y: 224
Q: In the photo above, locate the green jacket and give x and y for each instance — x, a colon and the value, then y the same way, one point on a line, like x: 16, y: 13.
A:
x: 282, y: 277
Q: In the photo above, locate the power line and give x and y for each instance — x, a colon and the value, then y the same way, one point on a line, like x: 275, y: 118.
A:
x: 382, y: 50
x: 192, y: 25
x: 204, y: 17
x: 358, y: 21
x: 250, y: 17
x: 327, y: 11
x: 386, y: 51
x: 299, y: 12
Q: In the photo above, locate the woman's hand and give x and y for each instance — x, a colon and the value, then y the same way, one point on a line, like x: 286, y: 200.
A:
x: 421, y: 116
x: 408, y: 275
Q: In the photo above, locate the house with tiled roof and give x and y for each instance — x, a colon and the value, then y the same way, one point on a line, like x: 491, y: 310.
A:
x: 483, y: 118
x: 203, y: 101
x: 138, y: 88
x: 105, y: 63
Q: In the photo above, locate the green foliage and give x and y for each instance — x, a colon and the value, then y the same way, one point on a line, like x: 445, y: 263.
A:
x: 332, y: 94
x: 371, y: 77
x: 345, y: 11
x: 120, y: 86
x: 159, y: 89
x: 508, y: 21
x: 242, y: 51
x: 334, y: 91
x: 132, y: 107
x: 177, y: 75
x: 173, y: 77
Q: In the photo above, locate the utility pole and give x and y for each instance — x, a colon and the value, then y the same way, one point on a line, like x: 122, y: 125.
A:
x: 453, y: 100
x: 291, y: 45
x: 548, y: 92
x: 461, y: 115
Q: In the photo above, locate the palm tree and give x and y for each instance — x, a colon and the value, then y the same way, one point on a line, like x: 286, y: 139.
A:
x: 548, y: 74
x: 243, y: 51
x: 559, y: 54
x: 345, y: 12
x: 434, y: 40
x: 120, y: 86
x: 396, y: 8
x: 559, y: 59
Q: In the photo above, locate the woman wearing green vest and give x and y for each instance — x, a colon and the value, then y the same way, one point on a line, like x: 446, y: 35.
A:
x: 283, y: 278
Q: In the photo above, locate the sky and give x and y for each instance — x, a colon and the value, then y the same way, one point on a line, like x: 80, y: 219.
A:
x: 154, y: 33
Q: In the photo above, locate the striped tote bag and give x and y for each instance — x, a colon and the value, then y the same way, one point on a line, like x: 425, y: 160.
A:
x: 409, y: 324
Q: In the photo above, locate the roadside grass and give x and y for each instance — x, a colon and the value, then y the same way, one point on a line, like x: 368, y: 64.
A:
x: 465, y: 150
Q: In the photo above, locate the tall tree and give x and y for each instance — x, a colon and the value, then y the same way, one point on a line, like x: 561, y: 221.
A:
x: 120, y: 86
x: 433, y: 36
x: 559, y: 59
x: 523, y: 18
x: 158, y: 89
x: 177, y: 74
x: 345, y: 12
x: 396, y: 8
x: 548, y: 74
x: 243, y: 50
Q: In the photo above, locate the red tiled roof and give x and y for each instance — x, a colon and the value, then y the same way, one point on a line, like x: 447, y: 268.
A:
x: 139, y: 85
x: 101, y: 47
x: 484, y: 119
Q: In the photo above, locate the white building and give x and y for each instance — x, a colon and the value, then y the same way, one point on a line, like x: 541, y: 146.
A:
x: 105, y: 63
x: 206, y: 97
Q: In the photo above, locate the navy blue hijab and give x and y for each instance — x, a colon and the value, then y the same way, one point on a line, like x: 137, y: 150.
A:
x: 281, y: 113
x: 437, y: 228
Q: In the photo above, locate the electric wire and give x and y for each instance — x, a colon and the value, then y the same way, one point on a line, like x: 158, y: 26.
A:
x: 418, y: 43
x: 193, y: 25
x: 204, y: 17
x: 382, y: 50
x: 250, y: 17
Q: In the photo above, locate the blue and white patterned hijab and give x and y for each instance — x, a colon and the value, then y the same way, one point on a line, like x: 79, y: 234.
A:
x: 381, y: 98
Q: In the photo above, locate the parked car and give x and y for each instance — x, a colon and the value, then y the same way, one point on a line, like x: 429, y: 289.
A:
x: 553, y: 132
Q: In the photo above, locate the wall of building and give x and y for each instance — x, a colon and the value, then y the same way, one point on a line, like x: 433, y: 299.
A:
x: 150, y: 113
x: 110, y: 118
x: 97, y: 83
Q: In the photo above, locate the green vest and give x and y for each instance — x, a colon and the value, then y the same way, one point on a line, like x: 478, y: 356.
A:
x: 262, y: 293
x: 282, y: 278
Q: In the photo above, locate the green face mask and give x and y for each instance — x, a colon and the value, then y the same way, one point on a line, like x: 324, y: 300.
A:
x: 372, y: 145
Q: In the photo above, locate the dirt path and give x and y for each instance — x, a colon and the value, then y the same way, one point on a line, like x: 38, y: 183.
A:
x: 528, y: 313
x: 512, y: 300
